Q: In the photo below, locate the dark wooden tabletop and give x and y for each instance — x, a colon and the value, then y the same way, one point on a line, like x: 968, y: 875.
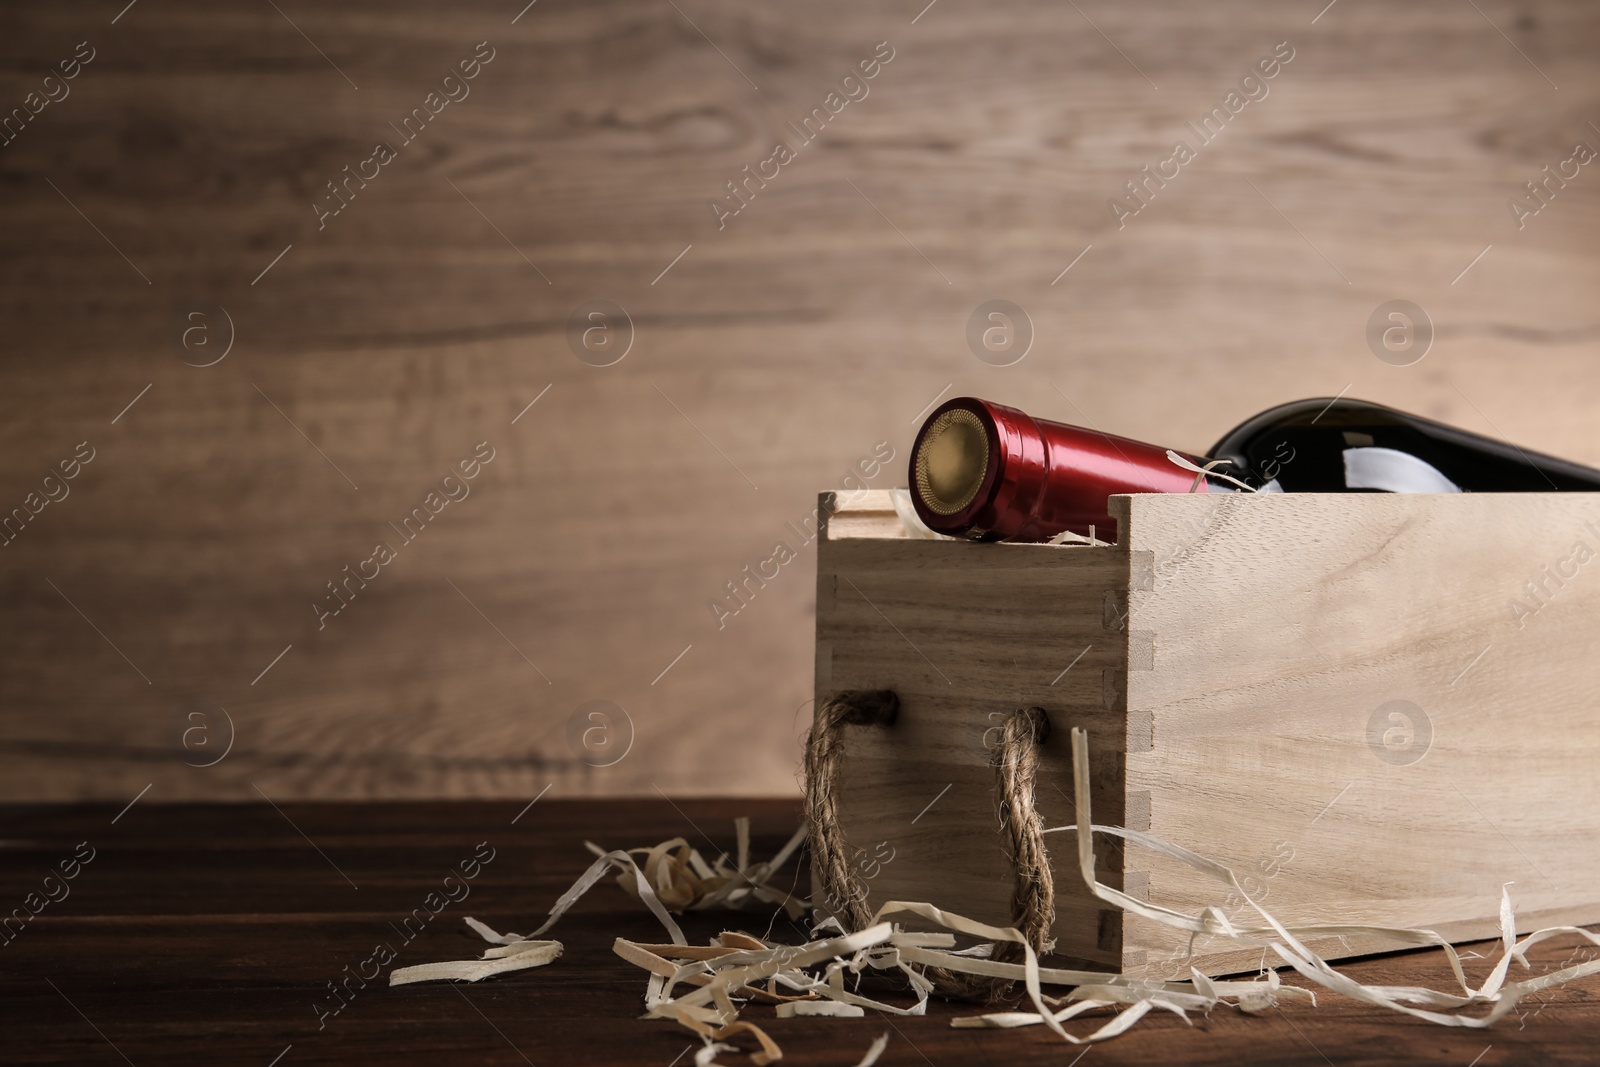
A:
x: 205, y: 934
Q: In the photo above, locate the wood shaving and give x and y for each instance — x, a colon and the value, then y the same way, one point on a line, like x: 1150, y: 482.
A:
x: 517, y: 954
x: 1201, y: 473
x: 706, y: 987
x: 798, y: 1008
x: 682, y: 880
x: 1068, y: 537
x: 874, y: 1050
x: 916, y: 529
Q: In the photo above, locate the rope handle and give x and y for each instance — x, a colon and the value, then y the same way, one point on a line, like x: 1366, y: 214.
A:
x: 843, y: 891
x: 1016, y: 762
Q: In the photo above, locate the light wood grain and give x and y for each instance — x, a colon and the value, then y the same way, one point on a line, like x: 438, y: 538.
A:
x: 808, y: 330
x: 1282, y: 627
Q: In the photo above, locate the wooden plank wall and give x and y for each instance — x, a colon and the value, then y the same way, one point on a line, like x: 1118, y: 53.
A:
x: 373, y: 354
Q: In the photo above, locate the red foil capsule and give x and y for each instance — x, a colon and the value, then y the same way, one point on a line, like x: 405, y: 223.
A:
x: 989, y: 472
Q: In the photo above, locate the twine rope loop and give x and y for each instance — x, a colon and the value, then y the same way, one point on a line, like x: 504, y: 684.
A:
x: 1015, y: 759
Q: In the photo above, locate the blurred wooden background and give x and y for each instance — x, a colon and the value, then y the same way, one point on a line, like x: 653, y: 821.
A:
x: 771, y: 357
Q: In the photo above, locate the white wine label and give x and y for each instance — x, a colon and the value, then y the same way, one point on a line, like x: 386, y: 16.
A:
x: 1393, y: 472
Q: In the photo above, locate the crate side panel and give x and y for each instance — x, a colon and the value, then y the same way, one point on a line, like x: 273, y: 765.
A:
x: 1361, y: 704
x: 966, y: 633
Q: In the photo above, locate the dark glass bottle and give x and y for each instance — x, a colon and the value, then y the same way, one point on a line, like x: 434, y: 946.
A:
x: 990, y: 472
x: 1328, y: 446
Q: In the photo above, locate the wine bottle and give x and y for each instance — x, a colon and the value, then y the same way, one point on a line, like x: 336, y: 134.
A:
x: 989, y: 472
x: 1329, y: 446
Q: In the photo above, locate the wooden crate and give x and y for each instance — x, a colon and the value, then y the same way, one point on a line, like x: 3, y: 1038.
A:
x: 1375, y: 708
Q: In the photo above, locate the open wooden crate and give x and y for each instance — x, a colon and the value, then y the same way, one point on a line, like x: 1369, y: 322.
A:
x: 1376, y: 709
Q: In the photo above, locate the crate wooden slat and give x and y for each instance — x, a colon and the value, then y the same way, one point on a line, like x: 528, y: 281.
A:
x: 1236, y: 661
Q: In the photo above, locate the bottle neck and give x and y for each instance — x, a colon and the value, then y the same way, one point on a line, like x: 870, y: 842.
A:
x: 991, y: 472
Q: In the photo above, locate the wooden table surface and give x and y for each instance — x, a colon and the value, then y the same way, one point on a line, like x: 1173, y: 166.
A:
x: 207, y: 934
